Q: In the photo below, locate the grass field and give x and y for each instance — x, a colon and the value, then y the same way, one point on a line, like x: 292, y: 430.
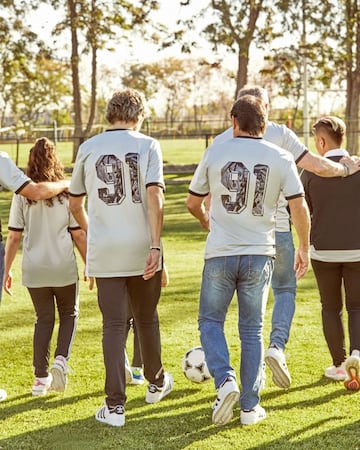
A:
x: 175, y: 151
x: 314, y: 414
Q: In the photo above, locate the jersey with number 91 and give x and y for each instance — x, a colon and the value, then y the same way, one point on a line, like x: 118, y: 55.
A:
x: 244, y: 177
x: 113, y: 169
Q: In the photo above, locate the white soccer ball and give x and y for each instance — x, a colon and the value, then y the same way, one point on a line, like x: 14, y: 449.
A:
x: 194, y: 365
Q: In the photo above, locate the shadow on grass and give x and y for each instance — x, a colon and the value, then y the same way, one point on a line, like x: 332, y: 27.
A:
x: 350, y: 438
x: 166, y: 425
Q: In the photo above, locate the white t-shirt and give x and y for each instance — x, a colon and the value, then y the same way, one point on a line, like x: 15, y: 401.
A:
x: 114, y: 169
x: 285, y: 138
x: 48, y: 258
x: 244, y: 177
x: 11, y: 177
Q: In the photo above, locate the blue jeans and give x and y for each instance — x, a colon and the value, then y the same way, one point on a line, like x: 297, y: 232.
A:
x: 250, y: 277
x: 283, y: 284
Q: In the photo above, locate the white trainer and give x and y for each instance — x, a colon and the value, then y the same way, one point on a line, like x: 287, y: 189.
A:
x: 128, y: 371
x: 275, y: 359
x: 227, y: 396
x: 252, y: 416
x: 59, y: 372
x: 41, y: 385
x: 336, y: 373
x: 114, y: 416
x: 3, y: 395
x: 156, y: 393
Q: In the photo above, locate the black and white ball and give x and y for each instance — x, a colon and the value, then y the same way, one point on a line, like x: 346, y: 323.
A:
x: 194, y: 365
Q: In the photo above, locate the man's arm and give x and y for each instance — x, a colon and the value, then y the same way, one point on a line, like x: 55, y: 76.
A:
x: 155, y: 213
x: 325, y: 167
x: 300, y: 217
x: 77, y: 208
x: 196, y: 206
x: 44, y: 190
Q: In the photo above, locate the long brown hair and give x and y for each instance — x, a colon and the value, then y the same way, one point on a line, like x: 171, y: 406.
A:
x: 44, y: 165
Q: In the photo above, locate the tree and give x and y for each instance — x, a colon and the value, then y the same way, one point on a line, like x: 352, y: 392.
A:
x: 92, y: 24
x: 39, y: 86
x: 352, y: 58
x: 234, y: 26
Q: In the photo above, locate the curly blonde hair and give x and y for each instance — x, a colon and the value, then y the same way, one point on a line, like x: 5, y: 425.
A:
x: 44, y: 165
x: 128, y: 105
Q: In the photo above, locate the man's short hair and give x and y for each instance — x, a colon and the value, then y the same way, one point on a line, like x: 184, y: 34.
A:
x: 251, y: 114
x: 127, y: 105
x: 256, y: 91
x: 333, y: 126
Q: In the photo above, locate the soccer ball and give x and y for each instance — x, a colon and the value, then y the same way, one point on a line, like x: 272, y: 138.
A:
x: 194, y: 365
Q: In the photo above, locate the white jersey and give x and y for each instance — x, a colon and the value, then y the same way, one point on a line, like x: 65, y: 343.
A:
x: 114, y: 169
x: 11, y: 177
x: 244, y: 177
x: 285, y: 138
x: 48, y: 258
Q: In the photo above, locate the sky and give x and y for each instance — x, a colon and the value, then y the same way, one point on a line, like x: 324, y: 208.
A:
x: 169, y: 12
x: 142, y: 52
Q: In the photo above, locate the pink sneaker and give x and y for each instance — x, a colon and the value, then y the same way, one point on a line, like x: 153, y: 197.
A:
x: 336, y: 373
x: 41, y: 385
x: 59, y: 372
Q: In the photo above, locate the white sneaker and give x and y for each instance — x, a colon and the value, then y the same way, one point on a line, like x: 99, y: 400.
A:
x: 114, y: 416
x: 253, y: 416
x: 227, y: 396
x: 59, y: 372
x: 352, y: 367
x: 137, y: 375
x: 275, y: 359
x: 128, y: 371
x: 156, y: 393
x: 336, y: 373
x: 3, y: 395
x: 41, y: 385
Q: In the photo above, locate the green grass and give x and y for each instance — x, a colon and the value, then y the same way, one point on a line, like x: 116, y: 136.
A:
x: 175, y: 151
x: 314, y: 414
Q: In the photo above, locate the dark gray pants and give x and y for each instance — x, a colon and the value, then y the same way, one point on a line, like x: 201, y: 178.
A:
x: 330, y: 277
x: 113, y: 295
x: 67, y: 303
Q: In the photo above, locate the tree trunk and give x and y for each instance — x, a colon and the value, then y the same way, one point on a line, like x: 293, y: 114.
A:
x: 78, y: 130
x: 93, y: 71
x: 242, y: 70
x: 352, y: 76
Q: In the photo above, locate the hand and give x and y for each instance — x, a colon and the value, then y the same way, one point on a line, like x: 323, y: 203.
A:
x: 8, y: 283
x: 352, y: 163
x: 301, y: 264
x: 91, y: 280
x: 152, y: 263
x: 205, y: 222
x: 164, y: 277
x: 66, y: 184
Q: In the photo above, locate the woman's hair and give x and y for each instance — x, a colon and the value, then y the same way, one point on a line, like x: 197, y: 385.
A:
x: 44, y: 165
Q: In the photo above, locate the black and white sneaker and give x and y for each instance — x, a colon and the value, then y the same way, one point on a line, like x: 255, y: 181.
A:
x: 156, y: 393
x: 114, y: 416
x: 276, y: 361
x: 227, y: 396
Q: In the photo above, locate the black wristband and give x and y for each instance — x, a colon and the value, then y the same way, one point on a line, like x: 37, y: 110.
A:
x: 155, y: 248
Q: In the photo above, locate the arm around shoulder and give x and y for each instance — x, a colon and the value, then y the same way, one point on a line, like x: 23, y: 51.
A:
x: 44, y: 190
